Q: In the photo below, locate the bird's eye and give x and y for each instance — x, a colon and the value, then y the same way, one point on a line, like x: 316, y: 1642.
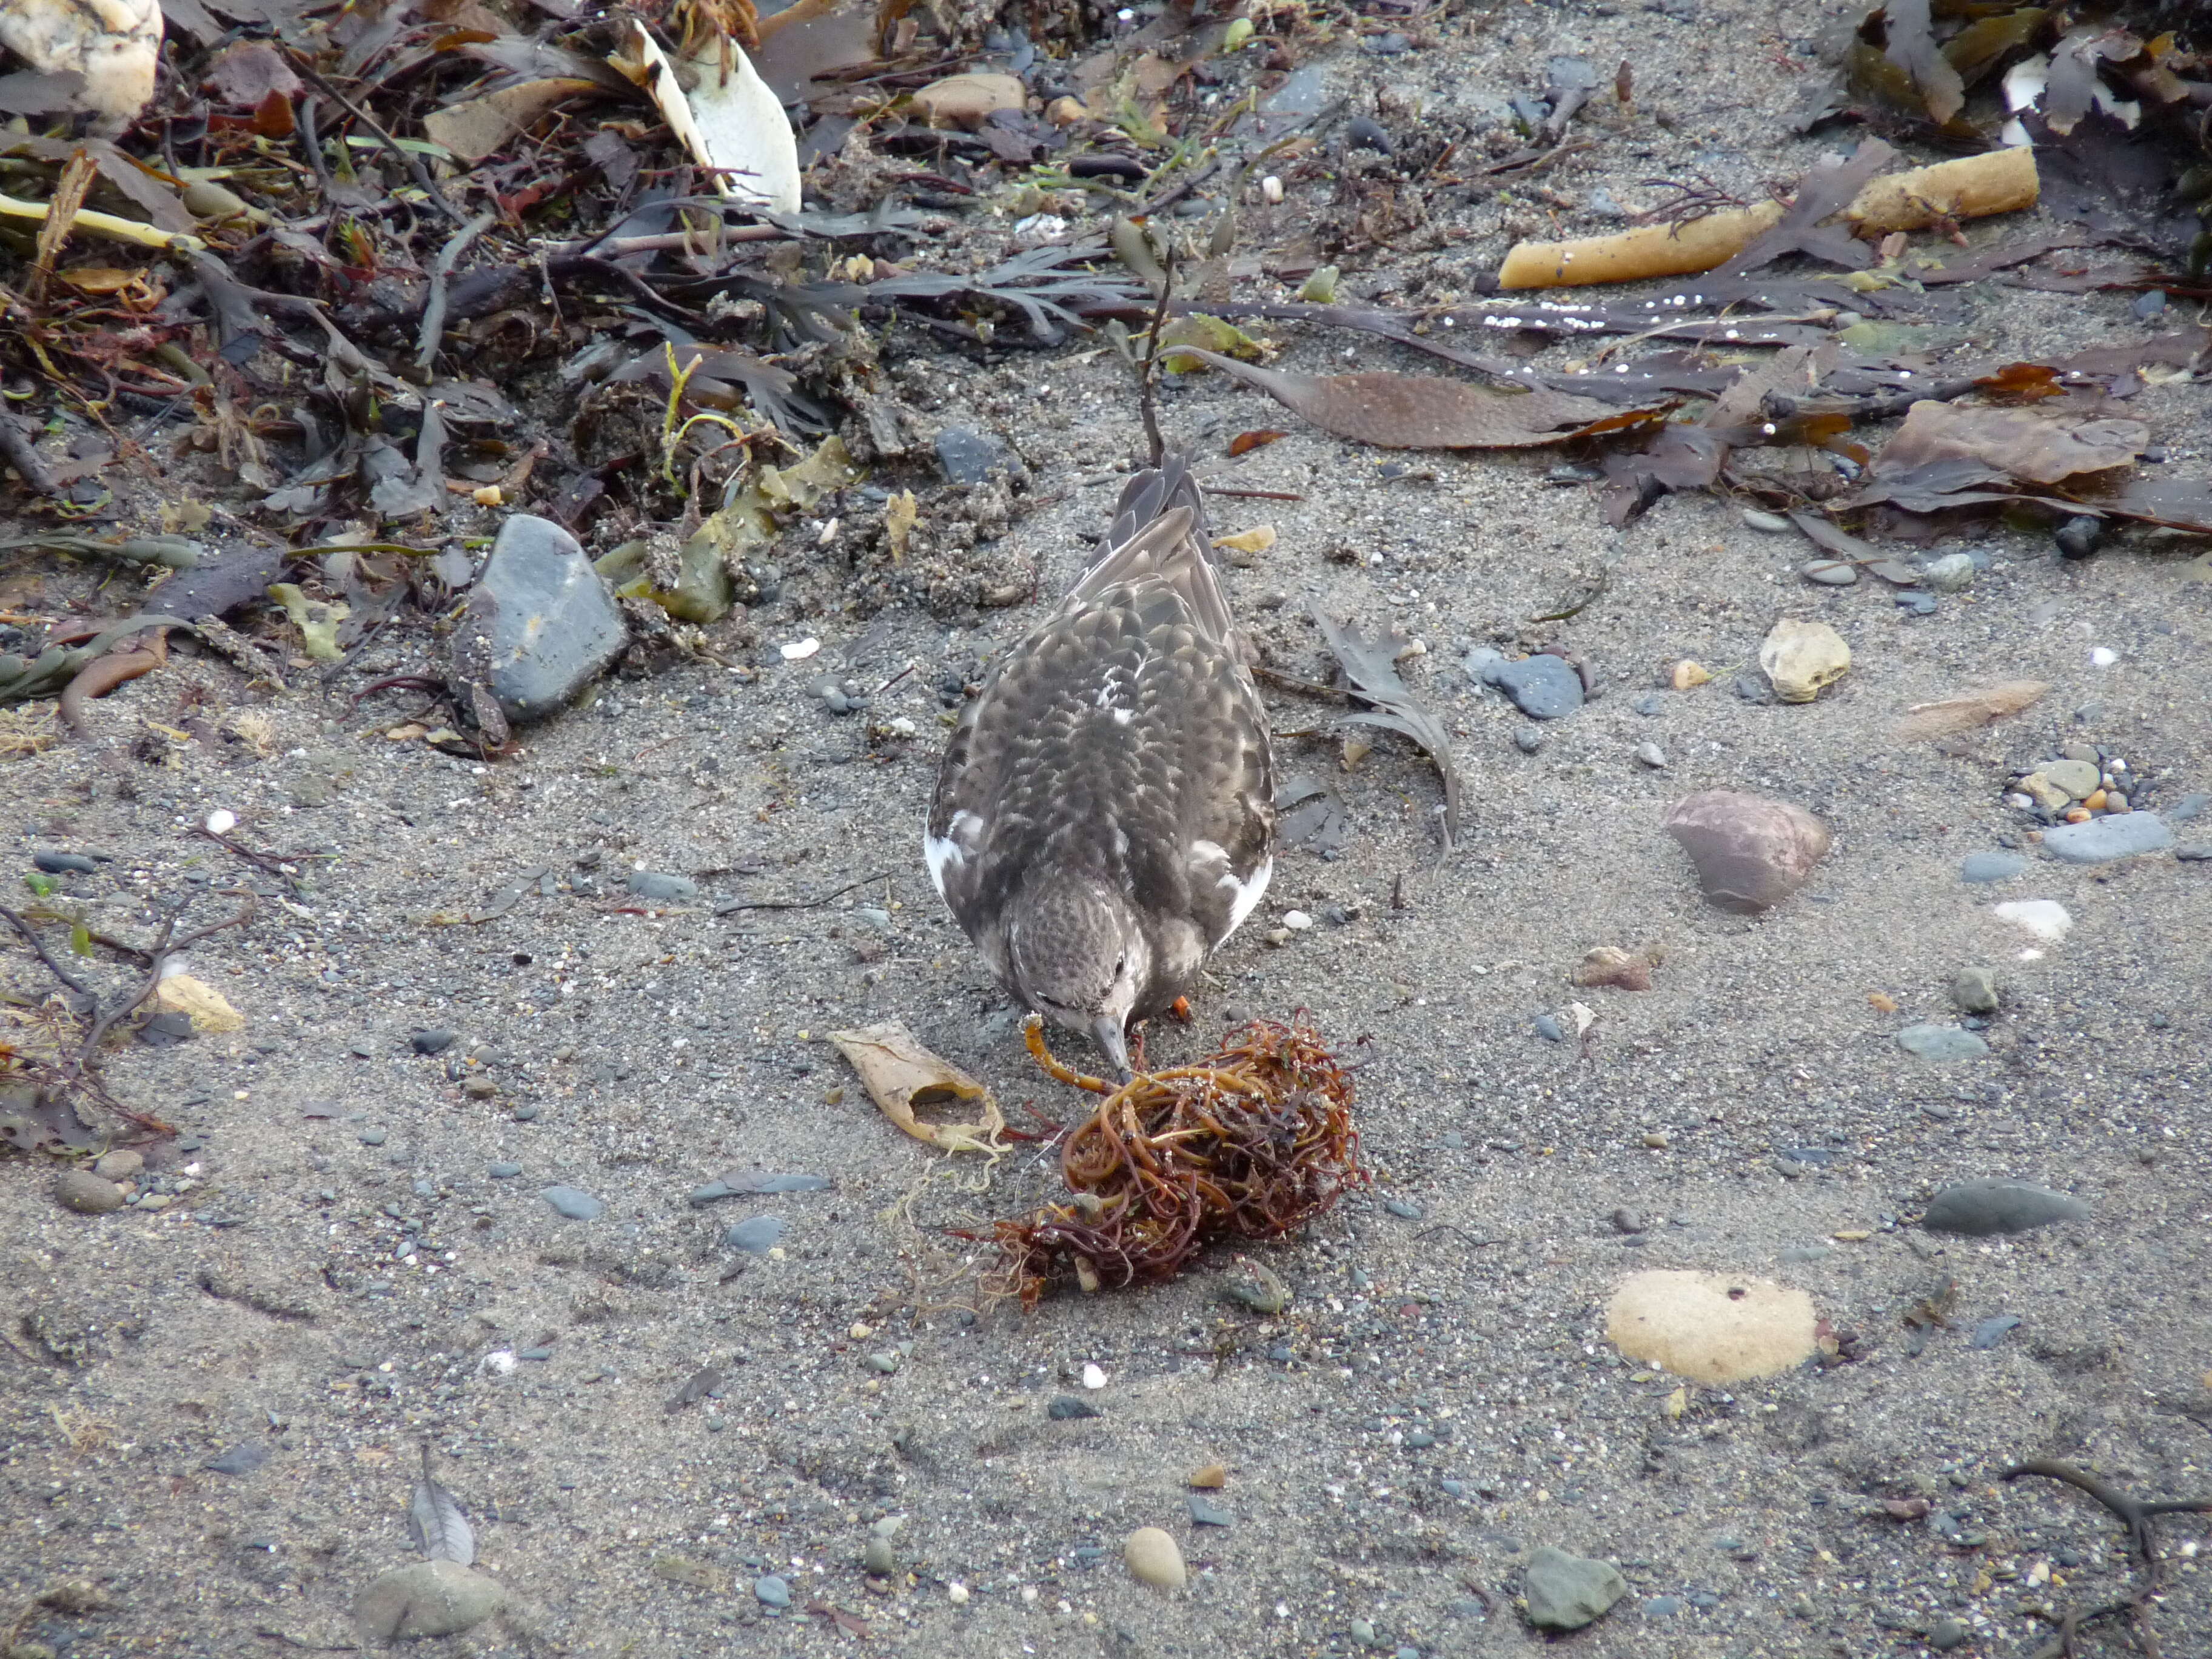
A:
x: 1120, y: 963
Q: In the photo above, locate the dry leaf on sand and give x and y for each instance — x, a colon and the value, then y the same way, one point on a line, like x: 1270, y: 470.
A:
x: 1427, y: 412
x: 1924, y: 720
x: 901, y: 1075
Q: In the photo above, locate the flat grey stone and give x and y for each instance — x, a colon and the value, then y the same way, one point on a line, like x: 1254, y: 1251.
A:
x: 755, y: 1235
x: 968, y: 457
x: 86, y: 1194
x: 1990, y: 867
x: 655, y: 884
x: 1941, y: 1043
x: 2102, y: 840
x: 431, y: 1598
x: 1543, y: 687
x: 540, y: 624
x: 1565, y: 1592
x: 574, y: 1202
x: 771, y: 1591
x: 2188, y: 807
x: 1980, y: 1209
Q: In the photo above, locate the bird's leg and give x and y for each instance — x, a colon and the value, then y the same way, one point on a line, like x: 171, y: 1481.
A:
x: 1137, y: 1047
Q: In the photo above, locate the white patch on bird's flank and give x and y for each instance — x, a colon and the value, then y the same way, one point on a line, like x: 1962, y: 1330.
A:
x: 949, y: 851
x: 1249, y: 892
x: 1123, y: 716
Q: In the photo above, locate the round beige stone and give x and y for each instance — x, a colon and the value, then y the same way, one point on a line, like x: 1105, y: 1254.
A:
x: 1711, y: 1328
x: 1155, y: 1559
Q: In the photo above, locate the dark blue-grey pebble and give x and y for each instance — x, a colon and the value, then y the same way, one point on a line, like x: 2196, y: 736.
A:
x: 1404, y: 1209
x: 1663, y: 1607
x: 574, y: 1202
x: 1541, y: 687
x: 772, y: 1591
x: 1550, y: 1029
x: 435, y: 1040
x: 64, y: 864
x: 238, y: 1460
x: 755, y: 1235
x: 1990, y: 867
x: 1981, y: 1208
x: 1991, y: 1331
x: 1067, y: 1409
x: 1209, y: 1515
x: 504, y: 1171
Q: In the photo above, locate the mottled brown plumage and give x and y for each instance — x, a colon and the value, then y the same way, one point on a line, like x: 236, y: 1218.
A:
x: 1104, y: 814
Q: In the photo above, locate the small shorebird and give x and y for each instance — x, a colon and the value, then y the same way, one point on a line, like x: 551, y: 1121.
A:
x: 1104, y: 817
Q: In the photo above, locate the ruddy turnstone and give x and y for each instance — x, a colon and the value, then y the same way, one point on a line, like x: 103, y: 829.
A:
x: 1104, y: 817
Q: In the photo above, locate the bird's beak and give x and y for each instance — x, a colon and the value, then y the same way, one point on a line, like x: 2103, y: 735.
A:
x: 1106, y: 1032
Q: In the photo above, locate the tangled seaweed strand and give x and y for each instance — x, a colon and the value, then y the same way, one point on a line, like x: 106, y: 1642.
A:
x: 1252, y: 1144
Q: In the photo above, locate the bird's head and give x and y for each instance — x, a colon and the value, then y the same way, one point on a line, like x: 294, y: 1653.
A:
x: 1078, y: 955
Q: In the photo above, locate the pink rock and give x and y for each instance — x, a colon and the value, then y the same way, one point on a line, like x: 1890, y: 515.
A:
x: 1751, y: 852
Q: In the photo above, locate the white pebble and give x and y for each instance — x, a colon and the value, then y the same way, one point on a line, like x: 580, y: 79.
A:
x: 800, y: 650
x: 2018, y: 802
x: 222, y: 823
x: 1093, y: 1377
x: 1028, y: 1596
x: 956, y: 1593
x: 1271, y: 190
x: 2104, y: 656
x: 501, y: 1363
x: 2043, y: 918
x: 904, y: 726
x: 1297, y: 921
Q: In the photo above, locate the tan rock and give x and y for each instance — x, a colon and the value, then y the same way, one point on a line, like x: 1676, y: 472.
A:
x: 1802, y: 659
x: 964, y: 100
x: 1689, y: 673
x: 1711, y: 1328
x: 1155, y: 1559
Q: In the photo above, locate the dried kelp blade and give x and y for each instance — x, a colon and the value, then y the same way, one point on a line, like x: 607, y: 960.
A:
x: 901, y: 1075
x: 1373, y: 672
x: 1252, y: 1143
x: 1427, y: 411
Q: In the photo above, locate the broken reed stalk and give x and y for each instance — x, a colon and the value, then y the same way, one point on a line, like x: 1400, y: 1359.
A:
x: 1253, y: 1142
x: 1972, y: 187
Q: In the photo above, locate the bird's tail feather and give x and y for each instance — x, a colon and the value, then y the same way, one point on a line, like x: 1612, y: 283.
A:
x: 1156, y: 490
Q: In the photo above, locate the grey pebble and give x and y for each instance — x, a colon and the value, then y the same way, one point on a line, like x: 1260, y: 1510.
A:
x: 1650, y: 704
x: 656, y: 884
x: 1990, y: 867
x: 1950, y: 574
x: 771, y: 1591
x: 968, y: 457
x: 2100, y: 841
x: 1205, y: 1514
x: 64, y: 864
x: 1773, y: 523
x: 504, y: 1171
x: 1915, y: 603
x: 1543, y: 687
x: 1803, y: 1253
x: 1068, y: 1408
x: 1991, y: 1331
x: 1975, y: 991
x: 1830, y: 573
x: 241, y: 1458
x: 540, y: 623
x: 2078, y: 778
x: 2188, y: 807
x: 1663, y: 1607
x: 374, y: 1137
x: 1652, y: 755
x: 1565, y: 1592
x: 755, y: 1235
x: 1979, y: 1209
x: 1405, y: 1209
x: 574, y: 1202
x: 1941, y: 1043
x: 1946, y: 1634
x: 880, y: 1557
x: 435, y: 1040
x: 1550, y: 1029
x: 86, y: 1194
x: 1528, y: 740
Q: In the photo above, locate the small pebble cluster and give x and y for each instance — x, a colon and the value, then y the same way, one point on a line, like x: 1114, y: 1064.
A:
x: 2081, y: 782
